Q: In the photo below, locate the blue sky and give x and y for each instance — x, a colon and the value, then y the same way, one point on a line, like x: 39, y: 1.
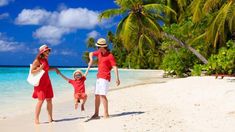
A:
x: 64, y: 25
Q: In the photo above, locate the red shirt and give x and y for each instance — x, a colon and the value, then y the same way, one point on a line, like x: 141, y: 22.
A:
x: 79, y: 85
x: 105, y: 63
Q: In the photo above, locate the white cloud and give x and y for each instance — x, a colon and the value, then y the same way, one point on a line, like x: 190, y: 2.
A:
x: 5, y: 2
x: 93, y: 34
x: 50, y: 34
x: 4, y: 15
x: 80, y: 18
x: 57, y: 24
x: 33, y: 17
x: 7, y: 44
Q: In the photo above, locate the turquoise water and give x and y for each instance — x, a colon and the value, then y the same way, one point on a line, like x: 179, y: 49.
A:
x: 15, y: 92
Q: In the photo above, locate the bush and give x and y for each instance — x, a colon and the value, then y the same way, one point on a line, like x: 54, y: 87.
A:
x: 178, y: 62
x: 197, y: 70
x: 223, y: 62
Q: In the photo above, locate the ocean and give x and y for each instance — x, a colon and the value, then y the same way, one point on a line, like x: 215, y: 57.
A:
x: 16, y: 92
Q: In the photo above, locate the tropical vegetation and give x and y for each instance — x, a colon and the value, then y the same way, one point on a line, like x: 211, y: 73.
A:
x: 183, y: 37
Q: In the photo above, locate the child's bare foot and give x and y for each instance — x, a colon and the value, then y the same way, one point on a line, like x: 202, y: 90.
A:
x: 82, y: 107
x: 76, y: 106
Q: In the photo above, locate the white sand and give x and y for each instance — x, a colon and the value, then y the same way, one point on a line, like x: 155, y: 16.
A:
x: 194, y: 104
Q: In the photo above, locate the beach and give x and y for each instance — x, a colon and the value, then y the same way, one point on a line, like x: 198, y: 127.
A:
x: 156, y: 104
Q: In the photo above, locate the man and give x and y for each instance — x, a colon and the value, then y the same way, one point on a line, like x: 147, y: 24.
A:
x: 106, y: 62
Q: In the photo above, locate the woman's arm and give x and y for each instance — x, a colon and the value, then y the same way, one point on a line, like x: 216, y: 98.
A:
x: 36, y: 67
x: 64, y: 77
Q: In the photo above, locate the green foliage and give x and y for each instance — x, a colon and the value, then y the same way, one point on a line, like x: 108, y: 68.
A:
x: 178, y: 62
x: 223, y: 62
x: 197, y: 70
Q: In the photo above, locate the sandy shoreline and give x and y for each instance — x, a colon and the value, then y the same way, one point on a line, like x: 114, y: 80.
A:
x: 190, y: 104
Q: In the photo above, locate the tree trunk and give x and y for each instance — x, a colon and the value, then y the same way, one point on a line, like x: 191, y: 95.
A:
x: 199, y: 56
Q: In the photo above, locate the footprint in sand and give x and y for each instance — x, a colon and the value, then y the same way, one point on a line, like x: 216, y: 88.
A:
x: 232, y: 113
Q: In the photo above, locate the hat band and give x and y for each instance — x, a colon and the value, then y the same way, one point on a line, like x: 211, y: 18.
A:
x: 101, y: 44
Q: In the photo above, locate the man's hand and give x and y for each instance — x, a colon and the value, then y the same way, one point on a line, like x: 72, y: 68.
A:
x: 117, y: 82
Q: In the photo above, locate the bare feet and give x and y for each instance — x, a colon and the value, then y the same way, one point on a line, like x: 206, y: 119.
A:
x: 82, y: 107
x: 36, y: 122
x: 51, y: 120
x: 95, y: 117
x: 106, y: 116
x: 76, y: 106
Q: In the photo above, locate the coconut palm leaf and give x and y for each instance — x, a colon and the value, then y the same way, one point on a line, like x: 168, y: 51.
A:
x: 110, y: 13
x: 140, y: 44
x: 217, y: 29
x: 211, y: 4
x: 196, y: 10
x: 158, y: 8
x: 231, y: 18
x: 128, y: 4
x: 129, y: 32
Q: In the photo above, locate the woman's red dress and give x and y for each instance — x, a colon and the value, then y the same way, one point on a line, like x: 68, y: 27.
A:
x: 44, y: 89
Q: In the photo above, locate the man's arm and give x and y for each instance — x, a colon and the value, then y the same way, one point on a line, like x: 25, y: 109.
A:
x: 116, y: 75
x: 91, y: 59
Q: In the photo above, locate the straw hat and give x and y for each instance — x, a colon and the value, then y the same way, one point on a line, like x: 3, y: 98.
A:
x: 44, y: 48
x: 101, y: 42
x: 77, y: 71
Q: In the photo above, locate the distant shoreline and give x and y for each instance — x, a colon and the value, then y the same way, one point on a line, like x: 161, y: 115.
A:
x: 7, y: 66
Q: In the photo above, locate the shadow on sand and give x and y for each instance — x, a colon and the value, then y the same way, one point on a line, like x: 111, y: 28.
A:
x: 118, y: 115
x: 66, y: 119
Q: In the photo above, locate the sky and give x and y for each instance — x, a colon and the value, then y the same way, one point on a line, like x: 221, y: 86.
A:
x: 64, y: 25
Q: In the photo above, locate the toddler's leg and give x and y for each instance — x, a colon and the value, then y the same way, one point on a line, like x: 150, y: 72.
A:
x: 76, y: 103
x: 83, y: 103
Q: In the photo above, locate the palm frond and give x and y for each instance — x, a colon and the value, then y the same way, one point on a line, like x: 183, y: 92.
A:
x: 110, y: 13
x: 128, y: 4
x: 151, y: 26
x: 120, y: 26
x: 140, y: 44
x: 150, y: 42
x: 196, y: 10
x: 211, y: 4
x: 129, y: 31
x: 217, y: 29
x: 231, y: 17
x: 158, y: 8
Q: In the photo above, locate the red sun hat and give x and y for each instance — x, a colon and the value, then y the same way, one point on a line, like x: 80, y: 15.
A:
x: 44, y: 48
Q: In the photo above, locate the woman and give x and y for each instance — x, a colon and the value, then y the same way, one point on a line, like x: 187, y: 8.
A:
x: 44, y: 90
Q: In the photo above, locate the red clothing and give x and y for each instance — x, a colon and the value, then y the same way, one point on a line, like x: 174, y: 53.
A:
x: 44, y: 89
x: 105, y: 63
x: 80, y: 95
x: 79, y: 85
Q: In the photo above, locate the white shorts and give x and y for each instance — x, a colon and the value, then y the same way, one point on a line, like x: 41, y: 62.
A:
x: 101, y: 87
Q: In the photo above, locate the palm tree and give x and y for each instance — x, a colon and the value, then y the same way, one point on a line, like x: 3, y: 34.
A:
x: 139, y: 24
x: 139, y: 27
x: 178, y: 6
x: 221, y: 23
x: 91, y: 43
